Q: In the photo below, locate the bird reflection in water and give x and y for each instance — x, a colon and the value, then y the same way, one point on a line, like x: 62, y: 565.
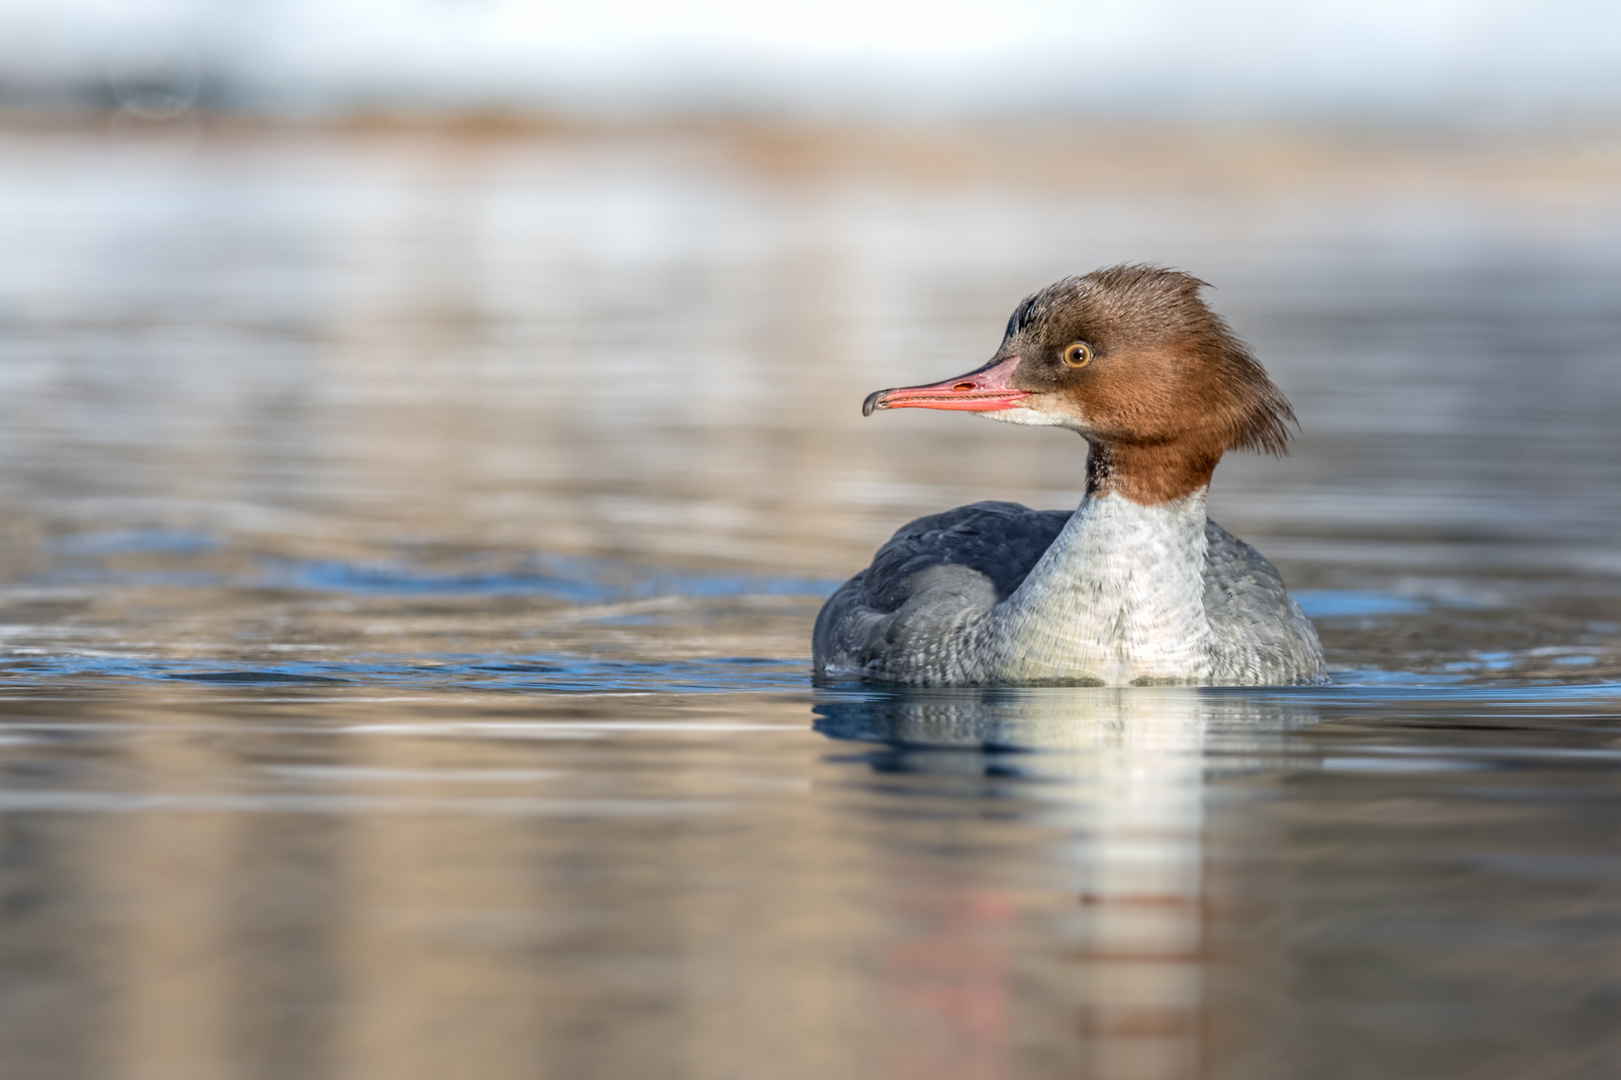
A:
x: 1122, y: 781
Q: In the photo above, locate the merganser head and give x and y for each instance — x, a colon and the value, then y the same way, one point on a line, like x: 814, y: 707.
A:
x: 1132, y: 359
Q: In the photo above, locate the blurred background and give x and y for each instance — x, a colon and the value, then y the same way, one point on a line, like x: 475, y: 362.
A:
x: 1478, y: 63
x: 428, y: 430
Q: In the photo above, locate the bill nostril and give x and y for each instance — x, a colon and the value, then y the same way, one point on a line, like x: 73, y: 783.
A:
x: 960, y: 387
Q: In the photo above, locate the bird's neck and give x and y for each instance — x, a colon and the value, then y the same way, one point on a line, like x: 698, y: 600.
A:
x: 1152, y: 474
x: 1117, y: 598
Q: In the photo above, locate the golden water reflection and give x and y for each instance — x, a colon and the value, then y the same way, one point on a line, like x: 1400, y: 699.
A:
x: 1161, y: 883
x: 536, y: 888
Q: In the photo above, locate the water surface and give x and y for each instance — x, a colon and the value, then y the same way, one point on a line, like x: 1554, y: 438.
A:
x: 409, y: 555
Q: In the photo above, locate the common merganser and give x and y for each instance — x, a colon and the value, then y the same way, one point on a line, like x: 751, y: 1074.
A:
x: 1136, y: 585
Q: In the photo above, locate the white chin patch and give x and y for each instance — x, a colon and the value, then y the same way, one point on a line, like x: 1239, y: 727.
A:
x: 1027, y: 417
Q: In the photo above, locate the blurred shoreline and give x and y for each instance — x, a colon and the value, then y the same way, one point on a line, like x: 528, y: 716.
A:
x: 1066, y: 156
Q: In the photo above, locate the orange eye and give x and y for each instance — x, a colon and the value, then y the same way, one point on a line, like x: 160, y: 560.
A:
x: 1078, y: 354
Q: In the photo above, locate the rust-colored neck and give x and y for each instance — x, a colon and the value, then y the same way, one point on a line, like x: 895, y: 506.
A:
x: 1149, y: 475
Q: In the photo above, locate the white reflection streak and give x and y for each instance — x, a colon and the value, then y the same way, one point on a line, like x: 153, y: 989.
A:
x: 1128, y: 768
x: 1124, y: 773
x: 1140, y: 859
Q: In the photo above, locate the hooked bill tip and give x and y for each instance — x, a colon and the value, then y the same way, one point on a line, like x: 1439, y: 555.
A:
x: 871, y: 403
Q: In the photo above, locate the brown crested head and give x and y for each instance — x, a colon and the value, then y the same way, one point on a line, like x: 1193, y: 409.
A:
x: 1132, y: 356
x: 1160, y: 386
x: 1133, y: 359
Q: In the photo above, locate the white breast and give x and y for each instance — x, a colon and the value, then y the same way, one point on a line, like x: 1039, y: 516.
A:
x: 1117, y: 598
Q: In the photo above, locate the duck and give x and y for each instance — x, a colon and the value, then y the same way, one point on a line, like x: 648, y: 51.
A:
x: 1136, y: 586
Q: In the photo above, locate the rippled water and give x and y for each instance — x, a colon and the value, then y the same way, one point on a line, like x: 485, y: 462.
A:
x: 410, y: 550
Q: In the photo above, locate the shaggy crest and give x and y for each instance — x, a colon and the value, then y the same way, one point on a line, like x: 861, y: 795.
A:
x: 1153, y: 307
